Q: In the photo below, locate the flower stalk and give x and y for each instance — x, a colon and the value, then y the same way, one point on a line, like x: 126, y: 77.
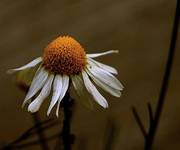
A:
x: 67, y: 137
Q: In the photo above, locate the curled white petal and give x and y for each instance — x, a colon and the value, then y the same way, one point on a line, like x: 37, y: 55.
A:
x: 93, y: 91
x: 57, y: 88
x: 106, y: 77
x: 37, y: 83
x: 35, y: 105
x: 103, y: 85
x: 29, y: 65
x: 65, y: 85
x: 101, y: 65
x: 101, y: 54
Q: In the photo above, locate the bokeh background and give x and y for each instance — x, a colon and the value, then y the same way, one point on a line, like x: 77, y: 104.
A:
x: 141, y: 30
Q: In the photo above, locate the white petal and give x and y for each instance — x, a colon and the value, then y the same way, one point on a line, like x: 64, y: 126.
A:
x: 37, y: 83
x: 35, y: 105
x: 106, y: 77
x: 81, y: 91
x: 65, y: 85
x: 104, y: 86
x: 57, y: 88
x: 29, y: 65
x: 101, y: 54
x: 103, y: 66
x: 93, y: 91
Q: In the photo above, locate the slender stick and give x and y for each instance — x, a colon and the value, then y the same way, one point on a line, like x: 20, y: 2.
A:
x: 150, y: 114
x: 139, y: 122
x: 40, y: 132
x: 34, y: 142
x: 47, y: 124
x: 152, y: 131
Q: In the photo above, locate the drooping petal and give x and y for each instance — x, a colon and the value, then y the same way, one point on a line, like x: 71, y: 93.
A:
x: 35, y: 105
x: 81, y: 90
x: 57, y: 88
x: 65, y: 85
x: 29, y: 65
x: 101, y: 54
x: 37, y: 83
x: 103, y: 66
x: 93, y: 91
x: 106, y: 77
x: 103, y: 85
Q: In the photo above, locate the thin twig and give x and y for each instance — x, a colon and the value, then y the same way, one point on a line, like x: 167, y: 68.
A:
x: 31, y: 132
x: 34, y: 142
x: 139, y: 122
x: 45, y: 126
x: 154, y: 125
x: 150, y: 112
x: 40, y: 133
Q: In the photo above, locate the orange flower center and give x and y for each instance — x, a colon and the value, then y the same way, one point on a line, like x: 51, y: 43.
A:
x: 64, y: 55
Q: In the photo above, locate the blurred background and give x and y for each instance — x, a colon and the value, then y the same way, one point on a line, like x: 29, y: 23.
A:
x: 141, y: 30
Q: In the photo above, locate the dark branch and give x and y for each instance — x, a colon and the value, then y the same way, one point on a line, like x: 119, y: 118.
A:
x: 154, y: 125
x: 139, y: 122
x: 40, y: 133
x: 31, y: 132
x: 34, y: 142
x: 150, y: 114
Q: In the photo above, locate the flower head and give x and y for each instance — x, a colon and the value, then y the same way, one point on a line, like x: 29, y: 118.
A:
x: 65, y: 60
x: 64, y: 55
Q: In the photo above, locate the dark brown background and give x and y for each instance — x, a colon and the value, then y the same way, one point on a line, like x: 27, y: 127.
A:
x: 140, y: 29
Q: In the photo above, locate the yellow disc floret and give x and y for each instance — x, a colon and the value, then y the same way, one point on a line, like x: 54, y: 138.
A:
x: 64, y: 55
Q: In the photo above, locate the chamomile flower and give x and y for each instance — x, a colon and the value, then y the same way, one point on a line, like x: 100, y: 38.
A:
x: 64, y: 61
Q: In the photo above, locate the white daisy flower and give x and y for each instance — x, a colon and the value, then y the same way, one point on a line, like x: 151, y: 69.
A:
x: 65, y: 60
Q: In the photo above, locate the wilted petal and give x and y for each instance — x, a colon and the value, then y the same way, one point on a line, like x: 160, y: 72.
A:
x: 103, y: 66
x: 37, y: 83
x: 106, y: 77
x: 93, y: 91
x: 29, y: 65
x: 101, y: 54
x: 65, y: 85
x: 35, y: 105
x: 57, y: 89
x: 103, y: 85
